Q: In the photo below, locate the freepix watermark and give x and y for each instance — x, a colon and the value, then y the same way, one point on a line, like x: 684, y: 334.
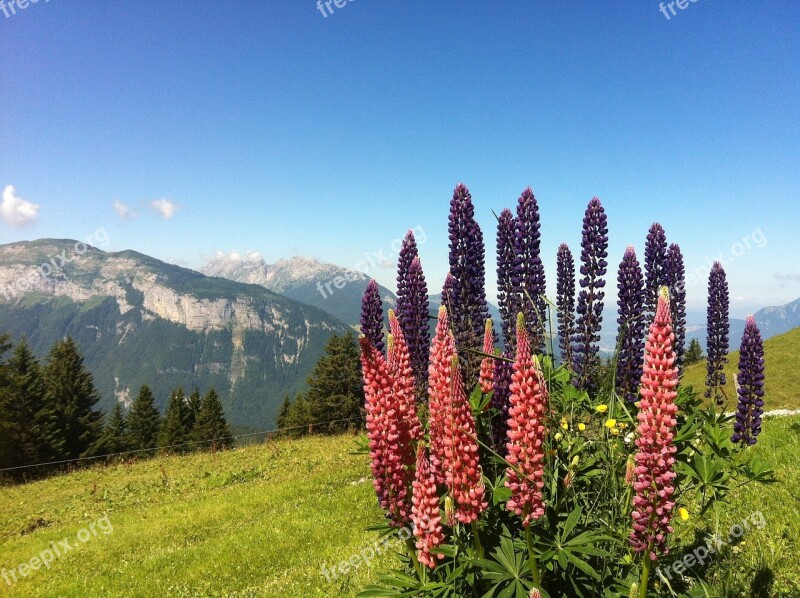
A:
x: 54, y: 265
x: 324, y: 6
x: 373, y: 260
x: 9, y: 7
x: 57, y: 549
x: 368, y: 553
x: 668, y: 8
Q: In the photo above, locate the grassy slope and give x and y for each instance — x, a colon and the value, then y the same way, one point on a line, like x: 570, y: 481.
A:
x: 782, y: 374
x: 262, y: 520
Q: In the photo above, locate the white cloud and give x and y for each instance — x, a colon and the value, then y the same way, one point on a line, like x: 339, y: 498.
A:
x: 235, y: 256
x: 124, y: 211
x: 165, y: 208
x: 16, y: 211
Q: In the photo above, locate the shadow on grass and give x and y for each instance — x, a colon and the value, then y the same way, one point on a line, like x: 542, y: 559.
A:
x: 761, y: 586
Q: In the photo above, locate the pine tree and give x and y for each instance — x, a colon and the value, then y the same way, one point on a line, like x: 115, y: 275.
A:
x: 298, y: 417
x: 284, y: 412
x: 115, y: 435
x: 143, y: 421
x: 694, y: 353
x: 210, y: 426
x: 336, y: 389
x: 192, y: 408
x: 7, y: 446
x: 174, y: 429
x: 70, y: 393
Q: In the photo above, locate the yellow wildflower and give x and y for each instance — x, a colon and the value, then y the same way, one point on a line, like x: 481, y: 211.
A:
x: 684, y: 514
x: 602, y: 408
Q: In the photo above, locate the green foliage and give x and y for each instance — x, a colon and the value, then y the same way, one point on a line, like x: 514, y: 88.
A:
x: 28, y: 427
x: 211, y: 429
x: 335, y: 396
x: 174, y: 430
x: 115, y: 437
x: 143, y: 421
x: 581, y: 546
x: 70, y: 391
x: 694, y: 353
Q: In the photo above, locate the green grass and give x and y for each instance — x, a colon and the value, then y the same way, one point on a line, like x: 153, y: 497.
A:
x: 263, y: 520
x: 782, y: 382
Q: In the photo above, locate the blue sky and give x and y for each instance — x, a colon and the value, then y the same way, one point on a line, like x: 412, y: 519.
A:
x: 267, y: 127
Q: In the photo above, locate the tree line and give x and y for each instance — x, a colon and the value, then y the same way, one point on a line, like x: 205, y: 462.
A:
x: 335, y: 393
x: 48, y: 413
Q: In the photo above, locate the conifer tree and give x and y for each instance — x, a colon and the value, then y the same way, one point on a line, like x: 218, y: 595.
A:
x: 143, y: 421
x: 335, y: 388
x: 115, y: 435
x: 28, y: 430
x: 284, y: 412
x: 71, y: 394
x: 694, y: 353
x: 210, y: 426
x: 192, y: 408
x: 174, y: 429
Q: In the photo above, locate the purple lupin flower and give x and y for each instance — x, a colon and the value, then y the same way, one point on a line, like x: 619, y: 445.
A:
x: 630, y: 338
x: 503, y: 369
x: 565, y: 301
x: 750, y: 389
x: 528, y: 280
x: 412, y: 310
x: 655, y: 262
x: 717, y: 330
x: 469, y: 310
x: 676, y: 281
x: 594, y: 246
x: 372, y: 315
x: 506, y: 299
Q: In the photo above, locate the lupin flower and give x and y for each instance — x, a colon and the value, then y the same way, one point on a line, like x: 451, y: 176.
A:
x: 487, y: 364
x: 507, y: 300
x: 468, y: 310
x: 403, y: 390
x: 750, y: 390
x: 412, y: 308
x: 392, y: 423
x: 676, y: 281
x: 501, y: 392
x: 630, y: 339
x: 462, y: 470
x: 440, y: 383
x: 372, y: 315
x: 526, y: 432
x: 565, y: 301
x: 655, y: 266
x: 654, y: 472
x: 717, y: 329
x: 425, y: 513
x: 594, y: 246
x: 528, y: 280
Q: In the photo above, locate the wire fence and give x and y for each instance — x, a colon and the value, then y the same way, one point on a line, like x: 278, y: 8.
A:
x: 265, y: 433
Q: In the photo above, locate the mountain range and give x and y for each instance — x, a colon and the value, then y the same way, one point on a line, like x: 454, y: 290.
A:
x: 329, y: 287
x: 139, y: 320
x: 252, y: 330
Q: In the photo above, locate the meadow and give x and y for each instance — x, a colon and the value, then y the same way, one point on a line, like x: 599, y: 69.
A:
x: 264, y: 520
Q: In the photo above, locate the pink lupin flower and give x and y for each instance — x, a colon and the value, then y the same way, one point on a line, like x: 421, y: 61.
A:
x: 392, y: 426
x: 526, y: 432
x: 404, y: 389
x: 462, y: 470
x: 654, y: 471
x: 440, y: 382
x: 487, y: 364
x: 425, y: 513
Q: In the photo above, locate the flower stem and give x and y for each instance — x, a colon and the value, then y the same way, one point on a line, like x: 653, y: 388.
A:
x: 537, y: 579
x: 478, y: 545
x: 412, y: 552
x: 645, y: 577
